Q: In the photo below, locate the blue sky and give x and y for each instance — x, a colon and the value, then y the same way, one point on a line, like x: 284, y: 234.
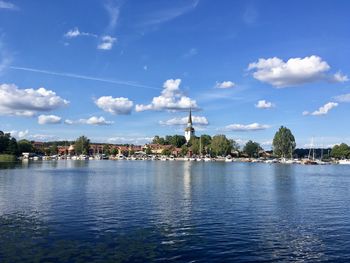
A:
x: 124, y: 71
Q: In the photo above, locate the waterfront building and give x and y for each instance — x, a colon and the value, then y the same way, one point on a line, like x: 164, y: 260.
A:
x: 189, y: 131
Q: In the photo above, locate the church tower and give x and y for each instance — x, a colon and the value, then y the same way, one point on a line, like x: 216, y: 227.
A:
x: 189, y: 131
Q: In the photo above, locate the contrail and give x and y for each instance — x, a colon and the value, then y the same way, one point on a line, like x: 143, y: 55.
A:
x: 77, y: 76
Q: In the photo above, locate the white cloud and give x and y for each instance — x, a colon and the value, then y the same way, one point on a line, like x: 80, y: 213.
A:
x: 106, y: 43
x: 339, y: 77
x: 248, y: 127
x: 98, y: 121
x: 263, y: 104
x: 18, y: 134
x: 170, y: 99
x: 296, y: 71
x: 27, y: 102
x: 7, y: 5
x: 322, y: 110
x: 343, y: 98
x: 49, y: 119
x: 225, y: 85
x: 117, y: 106
x: 75, y: 32
x: 197, y: 120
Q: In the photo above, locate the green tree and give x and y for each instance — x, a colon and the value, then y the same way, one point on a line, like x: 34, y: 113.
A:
x: 220, y: 145
x: 114, y: 151
x: 176, y: 140
x: 184, y: 150
x: 82, y: 145
x: 283, y: 142
x: 106, y: 149
x: 252, y: 148
x: 53, y: 149
x: 340, y: 151
x: 12, y: 147
x: 158, y: 140
x: 4, y: 141
x: 148, y: 150
x: 194, y: 145
x: 25, y: 146
x: 166, y: 151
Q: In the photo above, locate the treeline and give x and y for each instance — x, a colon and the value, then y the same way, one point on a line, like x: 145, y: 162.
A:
x: 9, y: 145
x: 218, y: 145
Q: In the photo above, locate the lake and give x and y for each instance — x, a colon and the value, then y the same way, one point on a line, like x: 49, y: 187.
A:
x: 141, y: 211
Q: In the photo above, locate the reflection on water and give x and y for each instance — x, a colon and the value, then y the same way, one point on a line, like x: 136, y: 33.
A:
x: 122, y: 211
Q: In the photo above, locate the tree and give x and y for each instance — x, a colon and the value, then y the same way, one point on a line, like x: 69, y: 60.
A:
x: 82, y: 145
x: 25, y: 146
x: 158, y: 140
x: 166, y: 151
x: 12, y: 147
x: 252, y: 148
x: 184, y: 150
x: 341, y: 151
x: 148, y: 150
x: 4, y: 141
x: 220, y: 145
x: 114, y: 151
x: 176, y: 140
x: 283, y: 142
x: 106, y: 149
x: 53, y: 149
x: 194, y: 145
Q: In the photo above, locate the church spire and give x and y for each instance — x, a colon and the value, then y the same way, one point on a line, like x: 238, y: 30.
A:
x: 190, y: 118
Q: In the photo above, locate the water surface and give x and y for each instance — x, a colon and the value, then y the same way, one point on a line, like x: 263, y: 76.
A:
x: 119, y: 211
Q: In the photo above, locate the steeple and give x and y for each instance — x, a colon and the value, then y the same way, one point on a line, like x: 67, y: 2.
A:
x: 189, y: 122
x: 189, y: 131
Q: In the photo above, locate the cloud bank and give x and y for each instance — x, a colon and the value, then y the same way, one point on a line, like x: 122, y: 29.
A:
x: 27, y: 102
x: 171, y: 98
x: 294, y: 72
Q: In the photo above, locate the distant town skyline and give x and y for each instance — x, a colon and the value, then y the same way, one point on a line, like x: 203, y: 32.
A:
x: 125, y: 71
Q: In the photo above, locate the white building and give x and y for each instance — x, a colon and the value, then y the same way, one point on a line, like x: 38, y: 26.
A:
x: 189, y: 131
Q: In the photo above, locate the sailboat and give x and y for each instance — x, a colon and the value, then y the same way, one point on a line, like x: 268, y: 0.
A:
x: 310, y: 161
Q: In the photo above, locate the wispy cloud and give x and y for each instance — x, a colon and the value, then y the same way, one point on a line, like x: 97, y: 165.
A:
x: 77, y: 76
x: 168, y: 14
x: 75, y: 32
x: 7, y: 5
x: 113, y: 10
x: 5, y: 58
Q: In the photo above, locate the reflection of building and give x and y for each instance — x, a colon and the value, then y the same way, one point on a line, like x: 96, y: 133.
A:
x: 189, y: 131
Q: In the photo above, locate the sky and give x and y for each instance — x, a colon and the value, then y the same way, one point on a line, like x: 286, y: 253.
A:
x: 125, y: 71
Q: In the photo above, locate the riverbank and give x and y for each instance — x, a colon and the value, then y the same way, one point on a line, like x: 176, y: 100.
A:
x: 7, y: 158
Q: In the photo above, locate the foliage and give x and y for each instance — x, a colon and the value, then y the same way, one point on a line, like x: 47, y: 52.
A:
x: 175, y: 140
x: 106, y: 149
x: 166, y: 151
x: 53, y: 149
x: 184, y: 150
x: 114, y: 151
x: 148, y: 150
x: 82, y: 145
x: 252, y: 148
x: 283, y: 142
x: 25, y: 146
x: 341, y: 151
x: 220, y: 145
x: 158, y: 140
x: 194, y: 144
